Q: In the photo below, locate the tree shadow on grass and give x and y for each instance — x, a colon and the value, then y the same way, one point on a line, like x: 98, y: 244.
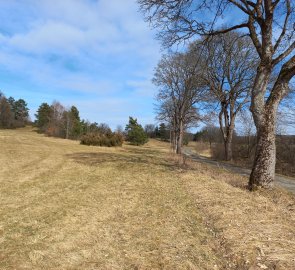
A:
x: 136, y: 157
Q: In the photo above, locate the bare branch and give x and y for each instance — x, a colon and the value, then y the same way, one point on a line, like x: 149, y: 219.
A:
x: 284, y: 54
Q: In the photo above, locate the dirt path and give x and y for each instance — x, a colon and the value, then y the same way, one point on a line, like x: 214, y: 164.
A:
x: 285, y: 182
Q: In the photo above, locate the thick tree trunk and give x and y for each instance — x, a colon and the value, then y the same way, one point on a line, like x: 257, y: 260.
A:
x: 264, y: 114
x: 263, y: 171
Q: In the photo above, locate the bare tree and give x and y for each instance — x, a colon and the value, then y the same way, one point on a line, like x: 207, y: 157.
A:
x: 229, y: 73
x: 150, y: 130
x: 168, y: 111
x: 179, y: 91
x: 57, y: 124
x: 270, y: 25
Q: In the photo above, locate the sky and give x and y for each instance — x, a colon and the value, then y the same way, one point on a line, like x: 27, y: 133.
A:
x: 97, y: 55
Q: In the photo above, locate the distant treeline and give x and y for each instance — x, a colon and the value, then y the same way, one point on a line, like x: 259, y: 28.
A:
x: 244, y: 145
x: 13, y: 113
x: 57, y: 121
x: 164, y: 133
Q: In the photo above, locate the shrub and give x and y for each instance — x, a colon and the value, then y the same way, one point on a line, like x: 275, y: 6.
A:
x: 97, y: 139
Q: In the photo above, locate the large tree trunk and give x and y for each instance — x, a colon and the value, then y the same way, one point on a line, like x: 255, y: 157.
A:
x: 263, y: 171
x: 264, y: 114
x: 228, y: 148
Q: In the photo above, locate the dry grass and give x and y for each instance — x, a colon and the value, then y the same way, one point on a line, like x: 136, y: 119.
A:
x: 201, y: 148
x: 255, y: 230
x: 67, y: 206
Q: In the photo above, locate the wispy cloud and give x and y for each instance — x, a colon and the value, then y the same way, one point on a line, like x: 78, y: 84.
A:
x: 79, y: 51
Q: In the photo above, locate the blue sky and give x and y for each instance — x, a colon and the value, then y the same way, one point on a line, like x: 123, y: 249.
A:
x: 96, y: 55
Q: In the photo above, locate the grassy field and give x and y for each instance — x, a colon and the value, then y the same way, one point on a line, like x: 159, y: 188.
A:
x: 68, y: 206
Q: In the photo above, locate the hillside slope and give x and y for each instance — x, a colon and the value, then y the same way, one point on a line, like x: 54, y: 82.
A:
x: 67, y: 206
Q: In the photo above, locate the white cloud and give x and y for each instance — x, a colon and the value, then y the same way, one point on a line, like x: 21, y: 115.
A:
x: 98, y: 48
x: 143, y: 88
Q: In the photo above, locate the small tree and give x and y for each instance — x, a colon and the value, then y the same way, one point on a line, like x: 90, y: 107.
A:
x: 135, y: 132
x: 163, y: 132
x: 73, y: 124
x: 43, y: 116
x: 21, y: 111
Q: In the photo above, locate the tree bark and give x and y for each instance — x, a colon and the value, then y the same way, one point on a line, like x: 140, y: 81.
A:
x: 179, y: 139
x: 227, y: 132
x: 263, y: 170
x: 264, y: 114
x: 228, y: 148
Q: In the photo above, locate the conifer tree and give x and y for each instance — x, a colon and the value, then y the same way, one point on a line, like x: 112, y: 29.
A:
x: 135, y: 132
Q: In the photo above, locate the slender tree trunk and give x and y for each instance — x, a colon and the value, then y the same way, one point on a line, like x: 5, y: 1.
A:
x: 179, y: 139
x: 227, y: 132
x: 248, y: 146
x: 68, y: 126
x: 174, y: 140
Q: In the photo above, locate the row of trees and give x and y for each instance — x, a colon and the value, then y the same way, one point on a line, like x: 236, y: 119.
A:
x: 217, y: 75
x: 13, y: 113
x: 269, y: 25
x: 55, y: 120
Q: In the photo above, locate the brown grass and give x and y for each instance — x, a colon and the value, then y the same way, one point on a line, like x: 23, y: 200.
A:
x: 68, y: 206
x: 255, y: 230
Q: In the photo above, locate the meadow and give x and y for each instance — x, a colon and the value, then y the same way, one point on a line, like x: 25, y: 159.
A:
x: 68, y: 206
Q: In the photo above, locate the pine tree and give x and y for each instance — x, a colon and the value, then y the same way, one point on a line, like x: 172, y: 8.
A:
x: 21, y: 111
x: 163, y: 132
x: 135, y: 132
x: 43, y: 116
x: 73, y: 123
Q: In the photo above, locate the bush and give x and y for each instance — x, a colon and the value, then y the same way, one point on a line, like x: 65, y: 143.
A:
x: 97, y: 139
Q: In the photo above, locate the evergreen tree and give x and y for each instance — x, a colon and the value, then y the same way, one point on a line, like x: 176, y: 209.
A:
x: 135, y: 132
x: 77, y: 127
x: 163, y: 132
x: 21, y: 111
x: 73, y: 125
x: 43, y: 116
